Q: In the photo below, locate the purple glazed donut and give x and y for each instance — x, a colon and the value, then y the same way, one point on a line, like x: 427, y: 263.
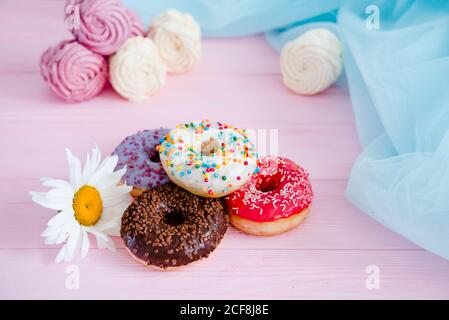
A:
x: 138, y: 152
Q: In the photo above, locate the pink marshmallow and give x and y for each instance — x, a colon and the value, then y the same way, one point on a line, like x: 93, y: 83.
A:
x: 104, y: 25
x: 74, y: 72
x: 137, y: 27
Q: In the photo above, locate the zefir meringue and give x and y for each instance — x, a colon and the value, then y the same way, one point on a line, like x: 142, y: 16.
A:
x: 104, y: 25
x: 178, y: 38
x: 312, y: 62
x: 137, y: 27
x: 136, y: 70
x: 73, y: 72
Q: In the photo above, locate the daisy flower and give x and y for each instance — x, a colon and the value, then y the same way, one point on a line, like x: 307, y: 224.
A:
x: 92, y: 201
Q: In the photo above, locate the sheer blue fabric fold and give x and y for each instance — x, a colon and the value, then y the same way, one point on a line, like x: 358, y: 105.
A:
x: 399, y: 83
x: 398, y: 79
x: 238, y: 18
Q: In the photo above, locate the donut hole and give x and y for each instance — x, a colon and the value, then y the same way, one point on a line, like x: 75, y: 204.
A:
x: 268, y: 183
x: 153, y: 155
x: 174, y: 218
x: 209, y: 147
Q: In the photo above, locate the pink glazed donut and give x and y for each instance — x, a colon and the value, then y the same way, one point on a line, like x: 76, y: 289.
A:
x: 274, y: 200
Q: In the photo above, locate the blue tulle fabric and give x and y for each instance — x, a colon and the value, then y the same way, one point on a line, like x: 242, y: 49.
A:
x: 398, y: 77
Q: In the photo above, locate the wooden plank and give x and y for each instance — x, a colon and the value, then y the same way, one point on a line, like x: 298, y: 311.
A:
x: 248, y: 100
x: 229, y: 274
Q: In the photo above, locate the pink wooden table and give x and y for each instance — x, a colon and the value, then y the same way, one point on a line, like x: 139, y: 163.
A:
x: 238, y: 82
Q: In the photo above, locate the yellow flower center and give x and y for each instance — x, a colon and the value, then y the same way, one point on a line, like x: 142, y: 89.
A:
x: 87, y: 205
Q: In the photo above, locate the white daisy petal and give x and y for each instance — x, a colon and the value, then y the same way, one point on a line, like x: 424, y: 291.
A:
x: 111, y: 220
x: 115, y: 195
x: 60, y: 196
x: 91, y: 164
x: 56, y: 183
x: 65, y: 230
x: 53, y: 234
x: 113, y: 230
x: 61, y: 235
x: 73, y: 243
x: 106, y: 226
x: 74, y: 169
x: 41, y: 199
x: 61, y: 254
x: 107, y: 166
x: 60, y: 218
x: 105, y: 243
x: 111, y: 179
x: 96, y: 233
x: 87, y: 171
x: 47, y: 232
x: 96, y: 159
x: 85, y: 244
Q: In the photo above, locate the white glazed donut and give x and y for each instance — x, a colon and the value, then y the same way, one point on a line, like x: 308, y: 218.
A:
x: 209, y: 159
x: 178, y: 38
x: 312, y: 62
x: 136, y: 70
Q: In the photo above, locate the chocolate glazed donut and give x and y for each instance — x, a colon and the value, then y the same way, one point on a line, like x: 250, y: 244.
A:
x: 168, y: 226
